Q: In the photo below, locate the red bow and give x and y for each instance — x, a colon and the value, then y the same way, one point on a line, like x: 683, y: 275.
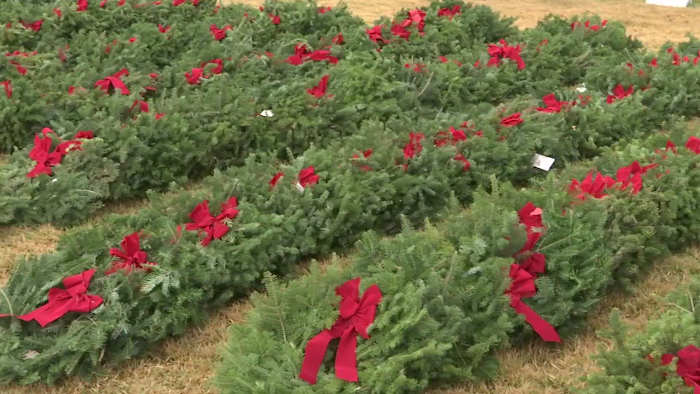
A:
x: 414, y: 146
x: 512, y: 120
x: 307, y: 176
x: 355, y: 317
x: 214, y: 226
x: 45, y: 159
x: 523, y: 275
x: 552, y: 104
x: 523, y: 286
x: 688, y: 366
x: 319, y: 90
x: 8, y: 88
x: 619, y: 92
x: 114, y: 81
x: 71, y: 298
x: 302, y: 54
x: 450, y: 12
x: 130, y: 256
x: 693, y: 144
x: 505, y: 52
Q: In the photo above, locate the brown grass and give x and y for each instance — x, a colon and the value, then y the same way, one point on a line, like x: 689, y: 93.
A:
x: 24, y: 241
x: 653, y: 25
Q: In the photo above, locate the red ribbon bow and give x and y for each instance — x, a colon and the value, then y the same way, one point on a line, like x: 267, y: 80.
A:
x: 130, y: 256
x: 523, y: 275
x: 523, y: 286
x: 505, y: 51
x: 8, y: 88
x: 552, y: 104
x: 114, y: 82
x: 356, y: 315
x: 307, y: 176
x: 688, y: 366
x: 72, y: 298
x: 693, y: 144
x: 214, y: 226
x: 44, y: 157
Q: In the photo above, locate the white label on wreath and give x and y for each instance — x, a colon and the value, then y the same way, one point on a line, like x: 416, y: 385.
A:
x: 300, y: 187
x: 267, y: 113
x: 30, y: 354
x: 542, y: 162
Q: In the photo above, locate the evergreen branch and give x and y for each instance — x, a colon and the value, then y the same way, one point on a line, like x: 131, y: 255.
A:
x: 679, y: 307
x: 9, y: 304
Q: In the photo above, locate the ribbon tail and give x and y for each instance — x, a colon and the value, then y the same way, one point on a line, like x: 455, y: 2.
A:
x: 48, y: 313
x: 346, y: 357
x: 314, y: 353
x: 541, y: 326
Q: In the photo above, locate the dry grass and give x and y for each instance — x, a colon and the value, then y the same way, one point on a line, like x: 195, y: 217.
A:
x: 544, y: 369
x: 653, y: 25
x: 24, y: 241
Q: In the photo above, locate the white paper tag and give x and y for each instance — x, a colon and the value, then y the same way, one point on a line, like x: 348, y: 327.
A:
x: 300, y: 187
x: 542, y: 162
x: 30, y: 354
x: 267, y: 113
x: 581, y: 88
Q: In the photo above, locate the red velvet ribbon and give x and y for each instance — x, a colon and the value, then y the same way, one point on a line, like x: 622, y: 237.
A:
x: 356, y: 315
x: 72, y: 298
x: 523, y: 275
x: 688, y: 366
x: 523, y: 286
x: 213, y: 226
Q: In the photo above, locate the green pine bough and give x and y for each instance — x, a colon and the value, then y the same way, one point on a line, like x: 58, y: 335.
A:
x: 443, y: 310
x: 217, y: 124
x: 636, y: 362
x: 277, y: 227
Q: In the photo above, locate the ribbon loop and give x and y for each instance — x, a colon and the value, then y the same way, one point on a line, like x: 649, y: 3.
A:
x: 356, y: 315
x: 72, y: 298
x: 523, y: 275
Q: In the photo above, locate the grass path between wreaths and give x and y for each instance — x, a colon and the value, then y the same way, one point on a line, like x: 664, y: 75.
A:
x: 653, y: 25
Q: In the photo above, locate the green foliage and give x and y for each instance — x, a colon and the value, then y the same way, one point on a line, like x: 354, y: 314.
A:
x: 216, y: 124
x: 419, y: 323
x: 460, y: 268
x: 634, y: 364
